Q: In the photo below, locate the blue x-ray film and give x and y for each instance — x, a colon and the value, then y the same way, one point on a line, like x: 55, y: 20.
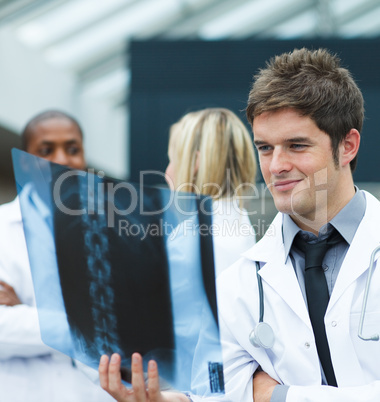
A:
x: 121, y: 267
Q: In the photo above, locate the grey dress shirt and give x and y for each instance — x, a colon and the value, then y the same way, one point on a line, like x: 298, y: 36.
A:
x: 346, y: 222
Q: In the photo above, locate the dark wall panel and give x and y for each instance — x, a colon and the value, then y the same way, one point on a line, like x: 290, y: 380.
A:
x: 172, y: 78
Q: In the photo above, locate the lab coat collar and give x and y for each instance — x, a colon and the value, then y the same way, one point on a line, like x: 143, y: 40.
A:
x: 277, y: 273
x: 280, y: 275
x: 368, y: 234
x: 14, y: 215
x: 263, y: 250
x: 14, y: 211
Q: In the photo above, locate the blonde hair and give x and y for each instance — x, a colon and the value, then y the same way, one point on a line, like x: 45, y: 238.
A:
x: 212, y: 152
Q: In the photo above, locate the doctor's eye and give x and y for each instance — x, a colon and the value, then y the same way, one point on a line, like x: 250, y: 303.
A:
x: 298, y: 146
x: 264, y: 148
x: 73, y: 150
x: 45, y: 151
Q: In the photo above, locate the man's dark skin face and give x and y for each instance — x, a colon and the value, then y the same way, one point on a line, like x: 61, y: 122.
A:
x: 57, y: 140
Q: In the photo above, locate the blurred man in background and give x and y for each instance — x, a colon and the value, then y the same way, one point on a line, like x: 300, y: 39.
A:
x: 29, y: 370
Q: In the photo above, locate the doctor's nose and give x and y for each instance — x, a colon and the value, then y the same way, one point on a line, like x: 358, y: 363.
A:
x: 60, y: 157
x: 280, y: 162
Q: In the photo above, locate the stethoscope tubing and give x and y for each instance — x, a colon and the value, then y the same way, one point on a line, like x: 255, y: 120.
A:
x: 263, y: 327
x: 374, y: 337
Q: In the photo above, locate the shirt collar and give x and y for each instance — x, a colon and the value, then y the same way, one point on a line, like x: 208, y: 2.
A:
x: 289, y: 232
x: 346, y: 222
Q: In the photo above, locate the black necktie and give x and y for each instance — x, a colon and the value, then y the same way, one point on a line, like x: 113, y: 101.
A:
x: 317, y: 295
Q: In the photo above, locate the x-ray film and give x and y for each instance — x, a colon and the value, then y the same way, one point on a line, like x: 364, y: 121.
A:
x: 120, y: 267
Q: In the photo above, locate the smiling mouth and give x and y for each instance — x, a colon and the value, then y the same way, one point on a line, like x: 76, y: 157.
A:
x: 286, y: 184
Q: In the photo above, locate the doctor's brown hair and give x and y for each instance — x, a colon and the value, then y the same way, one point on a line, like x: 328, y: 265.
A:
x: 314, y: 84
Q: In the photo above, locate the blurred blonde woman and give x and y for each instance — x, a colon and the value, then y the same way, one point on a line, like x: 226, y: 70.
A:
x: 211, y: 153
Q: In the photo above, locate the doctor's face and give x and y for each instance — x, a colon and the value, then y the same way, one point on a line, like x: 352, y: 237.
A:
x: 298, y: 167
x: 57, y: 140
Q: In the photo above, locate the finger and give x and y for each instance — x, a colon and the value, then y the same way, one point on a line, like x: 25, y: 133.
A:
x: 103, y: 372
x: 6, y: 286
x: 4, y: 298
x: 115, y: 387
x: 138, y: 381
x: 153, y: 382
x: 8, y: 298
x: 114, y: 376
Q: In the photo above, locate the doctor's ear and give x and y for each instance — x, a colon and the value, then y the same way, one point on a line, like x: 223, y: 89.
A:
x: 350, y: 146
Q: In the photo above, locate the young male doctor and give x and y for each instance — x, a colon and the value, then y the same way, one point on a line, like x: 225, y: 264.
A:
x: 306, y: 113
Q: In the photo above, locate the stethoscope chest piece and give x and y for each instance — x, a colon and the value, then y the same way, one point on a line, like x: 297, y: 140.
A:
x: 262, y: 336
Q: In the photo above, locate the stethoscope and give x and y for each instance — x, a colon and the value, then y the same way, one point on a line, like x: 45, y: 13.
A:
x: 262, y: 336
x: 374, y: 337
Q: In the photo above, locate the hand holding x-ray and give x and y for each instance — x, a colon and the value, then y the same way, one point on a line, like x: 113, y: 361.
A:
x: 145, y: 387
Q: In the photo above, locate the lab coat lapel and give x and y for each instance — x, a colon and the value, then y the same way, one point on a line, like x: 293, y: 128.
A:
x: 277, y: 273
x: 349, y: 370
x: 358, y: 256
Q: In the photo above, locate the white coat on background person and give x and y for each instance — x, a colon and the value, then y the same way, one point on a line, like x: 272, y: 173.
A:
x: 30, y: 370
x: 211, y: 153
x: 196, y: 332
x: 293, y: 360
x: 233, y: 233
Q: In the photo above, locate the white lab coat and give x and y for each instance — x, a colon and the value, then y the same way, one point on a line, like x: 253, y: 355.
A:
x: 293, y: 360
x: 196, y: 332
x: 29, y: 370
x: 232, y: 231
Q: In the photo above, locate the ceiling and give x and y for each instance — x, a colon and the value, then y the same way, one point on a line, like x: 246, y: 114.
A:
x: 89, y: 37
x: 73, y: 54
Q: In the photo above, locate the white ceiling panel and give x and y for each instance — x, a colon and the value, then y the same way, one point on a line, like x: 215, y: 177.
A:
x: 86, y: 40
x: 76, y: 35
x: 70, y: 17
x: 301, y: 25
